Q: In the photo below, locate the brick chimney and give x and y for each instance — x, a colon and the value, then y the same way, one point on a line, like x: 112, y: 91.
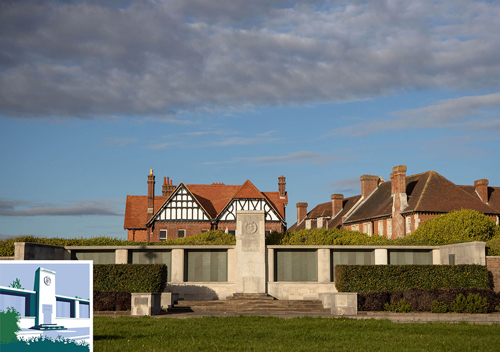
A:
x: 482, y: 189
x: 337, y: 203
x: 151, y: 194
x: 167, y: 188
x: 368, y: 184
x: 399, y: 200
x: 301, y: 211
x: 281, y: 186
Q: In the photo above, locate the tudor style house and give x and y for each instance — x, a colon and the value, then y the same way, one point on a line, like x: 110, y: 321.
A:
x: 397, y: 207
x: 186, y: 210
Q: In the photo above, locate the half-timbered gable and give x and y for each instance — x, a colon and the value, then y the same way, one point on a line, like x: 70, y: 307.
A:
x: 189, y: 209
x: 181, y: 206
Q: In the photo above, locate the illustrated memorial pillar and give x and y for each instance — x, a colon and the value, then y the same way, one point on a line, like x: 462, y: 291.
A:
x: 250, y: 252
x: 45, y: 286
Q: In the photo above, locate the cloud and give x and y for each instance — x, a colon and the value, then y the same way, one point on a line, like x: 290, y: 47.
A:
x: 92, y: 59
x: 296, y: 157
x: 347, y: 186
x: 104, y: 207
x: 469, y: 112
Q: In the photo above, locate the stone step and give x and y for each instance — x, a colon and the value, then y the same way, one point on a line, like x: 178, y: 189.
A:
x: 250, y: 296
x: 253, y: 305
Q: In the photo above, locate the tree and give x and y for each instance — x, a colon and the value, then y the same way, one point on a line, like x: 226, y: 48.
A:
x: 455, y: 227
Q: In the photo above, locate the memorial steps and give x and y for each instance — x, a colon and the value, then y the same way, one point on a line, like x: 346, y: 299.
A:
x: 249, y: 303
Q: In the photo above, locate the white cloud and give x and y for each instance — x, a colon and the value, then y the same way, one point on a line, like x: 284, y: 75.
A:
x: 469, y: 112
x: 296, y: 157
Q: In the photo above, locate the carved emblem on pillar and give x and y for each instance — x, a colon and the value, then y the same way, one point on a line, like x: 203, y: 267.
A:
x: 251, y: 227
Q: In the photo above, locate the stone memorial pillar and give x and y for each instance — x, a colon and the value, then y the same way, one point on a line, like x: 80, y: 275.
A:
x: 45, y: 286
x: 250, y: 252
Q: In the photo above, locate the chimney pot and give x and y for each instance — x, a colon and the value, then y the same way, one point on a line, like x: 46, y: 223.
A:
x: 337, y: 203
x: 398, y: 179
x: 281, y: 186
x: 368, y: 184
x: 301, y: 211
x: 482, y: 189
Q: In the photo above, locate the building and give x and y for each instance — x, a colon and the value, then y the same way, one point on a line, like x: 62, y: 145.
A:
x: 397, y: 207
x: 188, y: 209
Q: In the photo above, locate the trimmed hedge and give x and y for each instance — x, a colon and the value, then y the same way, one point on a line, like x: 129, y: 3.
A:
x: 112, y: 301
x: 370, y: 278
x: 147, y: 278
x: 206, y: 238
x: 422, y: 300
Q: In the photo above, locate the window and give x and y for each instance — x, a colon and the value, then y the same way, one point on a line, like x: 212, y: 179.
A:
x: 268, y: 232
x: 232, y: 232
x: 389, y: 227
x: 181, y: 233
x: 204, y: 231
x: 163, y: 235
x: 408, y: 225
x: 381, y: 227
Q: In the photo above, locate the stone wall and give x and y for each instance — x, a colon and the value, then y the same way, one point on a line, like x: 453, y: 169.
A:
x: 493, y: 265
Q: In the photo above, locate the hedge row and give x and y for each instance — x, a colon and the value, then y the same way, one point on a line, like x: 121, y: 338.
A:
x: 369, y: 278
x: 148, y: 278
x: 206, y: 238
x: 105, y: 301
x: 421, y: 300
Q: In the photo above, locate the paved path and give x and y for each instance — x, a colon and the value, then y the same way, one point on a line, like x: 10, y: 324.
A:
x: 396, y: 317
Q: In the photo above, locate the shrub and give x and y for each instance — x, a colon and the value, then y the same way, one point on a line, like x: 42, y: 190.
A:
x: 423, y: 300
x: 398, y: 307
x: 9, y: 325
x: 439, y: 307
x: 471, y: 304
x: 367, y: 278
x: 130, y: 277
x: 206, y: 238
x: 455, y: 227
x: 111, y: 301
x: 493, y: 246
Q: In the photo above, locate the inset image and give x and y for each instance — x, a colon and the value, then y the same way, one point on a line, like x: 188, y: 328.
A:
x: 46, y: 303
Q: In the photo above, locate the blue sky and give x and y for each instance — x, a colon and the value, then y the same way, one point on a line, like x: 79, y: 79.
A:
x: 72, y: 278
x: 93, y: 94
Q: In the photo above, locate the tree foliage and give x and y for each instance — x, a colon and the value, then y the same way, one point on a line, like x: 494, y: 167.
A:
x: 455, y: 227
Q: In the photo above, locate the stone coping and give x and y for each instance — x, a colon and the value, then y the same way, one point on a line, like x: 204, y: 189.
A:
x: 350, y: 247
x: 139, y: 247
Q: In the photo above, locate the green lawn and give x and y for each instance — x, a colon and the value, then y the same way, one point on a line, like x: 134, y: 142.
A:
x: 298, y: 334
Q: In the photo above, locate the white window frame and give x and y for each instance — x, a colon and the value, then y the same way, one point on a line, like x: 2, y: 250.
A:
x: 161, y: 238
x: 389, y: 227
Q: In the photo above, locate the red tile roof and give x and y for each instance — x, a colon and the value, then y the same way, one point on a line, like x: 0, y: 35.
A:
x: 136, y: 211
x: 213, y: 198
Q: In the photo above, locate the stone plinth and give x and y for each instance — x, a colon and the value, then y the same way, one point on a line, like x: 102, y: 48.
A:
x: 345, y: 303
x: 145, y: 303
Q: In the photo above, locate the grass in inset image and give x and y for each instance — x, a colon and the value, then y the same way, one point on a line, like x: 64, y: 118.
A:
x: 253, y: 333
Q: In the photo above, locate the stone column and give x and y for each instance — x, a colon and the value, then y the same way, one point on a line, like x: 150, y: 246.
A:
x: 251, y: 252
x: 324, y: 271
x: 121, y: 256
x: 231, y: 265
x: 381, y: 257
x: 177, y: 270
x: 436, y: 257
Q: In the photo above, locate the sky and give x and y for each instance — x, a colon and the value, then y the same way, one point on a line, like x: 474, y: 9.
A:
x: 72, y: 278
x: 94, y: 94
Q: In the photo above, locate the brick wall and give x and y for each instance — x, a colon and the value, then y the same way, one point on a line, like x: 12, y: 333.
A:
x: 493, y: 265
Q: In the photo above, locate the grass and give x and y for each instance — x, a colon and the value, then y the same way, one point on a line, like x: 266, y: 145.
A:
x: 253, y: 333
